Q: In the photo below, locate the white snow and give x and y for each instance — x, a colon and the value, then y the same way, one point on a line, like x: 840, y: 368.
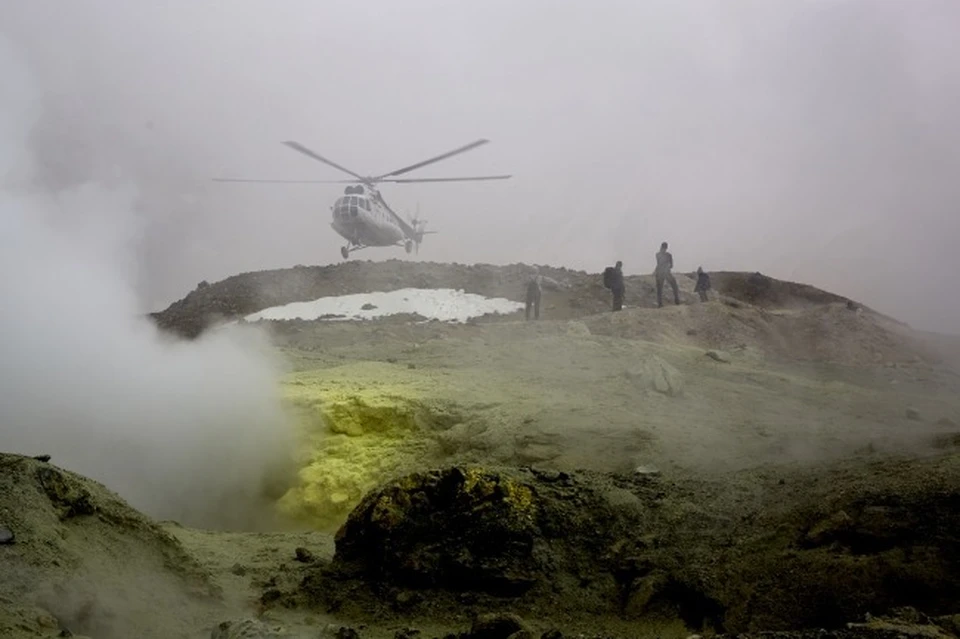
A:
x: 443, y: 304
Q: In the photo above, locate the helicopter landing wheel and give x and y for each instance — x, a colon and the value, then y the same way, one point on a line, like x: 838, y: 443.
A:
x: 345, y: 252
x: 409, y: 246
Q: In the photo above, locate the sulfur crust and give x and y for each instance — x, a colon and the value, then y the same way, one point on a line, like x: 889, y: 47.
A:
x: 353, y: 436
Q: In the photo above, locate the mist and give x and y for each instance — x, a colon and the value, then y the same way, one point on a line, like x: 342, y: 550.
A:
x: 185, y: 431
x: 812, y: 141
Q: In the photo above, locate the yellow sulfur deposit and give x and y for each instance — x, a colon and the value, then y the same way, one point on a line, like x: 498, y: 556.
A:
x: 355, y: 433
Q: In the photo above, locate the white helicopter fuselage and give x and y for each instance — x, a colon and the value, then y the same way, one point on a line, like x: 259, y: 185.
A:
x: 361, y: 216
x: 363, y: 221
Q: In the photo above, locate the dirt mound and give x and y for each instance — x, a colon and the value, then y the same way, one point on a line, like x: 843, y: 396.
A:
x: 82, y: 560
x: 829, y: 332
x: 818, y: 550
x: 582, y: 293
x: 767, y: 292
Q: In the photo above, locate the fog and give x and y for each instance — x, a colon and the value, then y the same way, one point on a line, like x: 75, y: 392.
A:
x: 184, y: 431
x: 814, y: 141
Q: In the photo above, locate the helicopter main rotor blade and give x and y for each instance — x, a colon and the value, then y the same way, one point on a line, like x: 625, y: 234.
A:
x: 287, y: 181
x: 296, y: 146
x: 407, y: 169
x: 450, y: 179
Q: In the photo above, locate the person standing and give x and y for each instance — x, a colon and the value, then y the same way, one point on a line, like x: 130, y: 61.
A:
x: 613, y: 279
x: 664, y: 273
x: 535, y: 291
x: 703, y: 284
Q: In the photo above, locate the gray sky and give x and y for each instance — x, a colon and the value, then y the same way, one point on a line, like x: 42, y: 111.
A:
x: 815, y: 141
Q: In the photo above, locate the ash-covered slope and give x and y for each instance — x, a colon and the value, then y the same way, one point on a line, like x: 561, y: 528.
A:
x: 582, y: 294
x: 81, y: 560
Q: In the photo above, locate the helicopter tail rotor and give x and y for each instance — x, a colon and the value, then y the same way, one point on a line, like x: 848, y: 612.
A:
x: 419, y: 228
x: 417, y: 225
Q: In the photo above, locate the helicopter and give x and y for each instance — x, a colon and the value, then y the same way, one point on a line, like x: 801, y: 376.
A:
x: 361, y: 215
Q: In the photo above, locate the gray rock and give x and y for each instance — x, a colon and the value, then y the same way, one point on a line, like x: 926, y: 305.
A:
x: 658, y: 375
x: 646, y: 471
x: 719, y: 356
x: 304, y: 556
x: 6, y: 536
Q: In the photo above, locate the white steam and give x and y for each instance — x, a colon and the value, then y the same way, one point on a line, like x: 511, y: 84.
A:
x: 181, y: 430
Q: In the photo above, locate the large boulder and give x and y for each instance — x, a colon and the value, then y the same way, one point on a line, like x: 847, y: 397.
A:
x: 454, y: 529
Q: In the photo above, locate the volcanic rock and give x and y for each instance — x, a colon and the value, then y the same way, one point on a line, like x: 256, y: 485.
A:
x: 457, y: 529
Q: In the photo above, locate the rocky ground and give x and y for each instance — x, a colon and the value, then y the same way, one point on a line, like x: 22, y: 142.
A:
x: 777, y: 460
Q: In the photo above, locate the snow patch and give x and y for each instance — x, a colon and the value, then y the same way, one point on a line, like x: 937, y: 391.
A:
x: 442, y: 304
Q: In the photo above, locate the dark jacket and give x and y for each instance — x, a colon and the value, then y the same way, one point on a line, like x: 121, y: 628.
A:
x: 616, y: 283
x: 703, y: 282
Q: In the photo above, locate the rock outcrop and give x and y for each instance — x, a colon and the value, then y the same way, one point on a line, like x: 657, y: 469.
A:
x: 630, y: 546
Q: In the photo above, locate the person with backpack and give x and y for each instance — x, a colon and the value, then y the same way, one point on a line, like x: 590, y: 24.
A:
x: 703, y: 284
x: 613, y: 279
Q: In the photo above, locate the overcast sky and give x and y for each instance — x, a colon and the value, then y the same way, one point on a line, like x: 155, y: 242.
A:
x: 812, y: 140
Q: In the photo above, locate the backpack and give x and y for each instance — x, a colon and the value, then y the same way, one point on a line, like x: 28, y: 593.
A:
x: 609, y: 274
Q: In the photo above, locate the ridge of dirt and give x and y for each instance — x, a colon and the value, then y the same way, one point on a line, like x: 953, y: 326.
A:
x: 768, y: 292
x: 821, y: 332
x: 582, y: 295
